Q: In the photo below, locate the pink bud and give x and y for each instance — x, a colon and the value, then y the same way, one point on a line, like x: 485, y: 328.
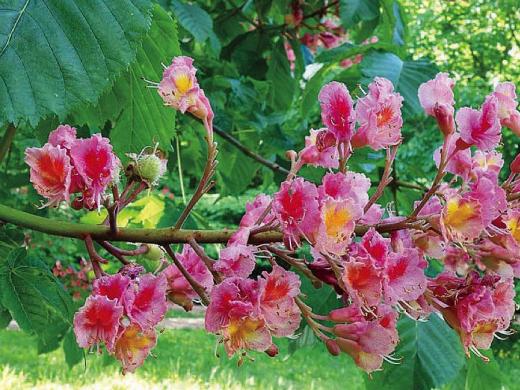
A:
x: 444, y: 119
x: 272, y: 351
x: 332, y: 347
x: 515, y: 165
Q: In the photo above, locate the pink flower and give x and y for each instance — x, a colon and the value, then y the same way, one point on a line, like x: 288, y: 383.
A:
x: 379, y: 116
x: 492, y: 199
x: 363, y: 280
x: 255, y: 210
x: 277, y: 304
x: 320, y: 149
x: 149, y: 304
x: 404, y: 276
x: 234, y: 314
x: 368, y: 339
x: 236, y: 260
x: 342, y: 186
x: 50, y: 172
x: 179, y: 89
x: 296, y: 208
x: 507, y: 112
x: 97, y: 322
x: 487, y: 164
x: 480, y: 128
x: 373, y: 215
x: 436, y: 97
x: 338, y: 220
x: 460, y: 162
x: 133, y: 346
x: 337, y: 110
x: 373, y: 245
x: 64, y: 136
x: 476, y: 307
x: 461, y: 218
x: 97, y: 165
x: 179, y: 289
x: 115, y: 286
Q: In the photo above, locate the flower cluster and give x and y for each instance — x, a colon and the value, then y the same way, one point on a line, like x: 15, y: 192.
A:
x: 68, y: 165
x: 75, y: 281
x: 122, y: 314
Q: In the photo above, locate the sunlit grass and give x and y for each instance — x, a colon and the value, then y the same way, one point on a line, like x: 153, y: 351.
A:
x: 185, y: 360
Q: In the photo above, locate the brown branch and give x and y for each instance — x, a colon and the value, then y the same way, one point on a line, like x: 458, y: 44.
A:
x: 208, y: 261
x: 249, y: 153
x: 7, y: 140
x: 201, y: 291
x: 296, y: 264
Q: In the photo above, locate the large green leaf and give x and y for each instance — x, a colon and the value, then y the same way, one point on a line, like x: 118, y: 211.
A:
x: 194, y: 19
x: 282, y: 83
x: 431, y: 356
x: 57, y: 54
x: 406, y: 75
x: 137, y: 111
x: 353, y: 11
x: 35, y: 299
x: 73, y: 353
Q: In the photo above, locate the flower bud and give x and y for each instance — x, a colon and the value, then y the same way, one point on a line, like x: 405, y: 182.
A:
x: 272, y: 351
x: 515, y: 165
x: 444, y: 119
x: 332, y: 347
x: 154, y: 253
x: 151, y: 168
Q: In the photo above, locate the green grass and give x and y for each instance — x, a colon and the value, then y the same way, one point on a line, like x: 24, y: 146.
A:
x: 185, y: 360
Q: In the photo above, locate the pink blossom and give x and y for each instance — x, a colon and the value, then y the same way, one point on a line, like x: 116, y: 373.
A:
x: 179, y: 89
x: 296, y: 208
x: 500, y: 253
x: 236, y: 260
x: 64, y: 136
x: 342, y: 186
x: 363, y: 280
x: 492, y: 199
x: 256, y: 209
x: 338, y: 220
x: 460, y: 162
x: 50, y: 172
x: 404, y: 276
x: 461, y: 218
x: 337, y: 110
x: 320, y: 149
x: 234, y: 314
x: 507, y: 112
x: 367, y: 339
x: 149, y: 304
x: 278, y: 307
x: 97, y: 165
x: 179, y: 289
x: 480, y: 128
x: 133, y: 346
x: 373, y: 215
x: 379, y: 116
x: 97, y: 322
x: 114, y: 287
x: 487, y: 164
x: 373, y: 245
x: 436, y: 98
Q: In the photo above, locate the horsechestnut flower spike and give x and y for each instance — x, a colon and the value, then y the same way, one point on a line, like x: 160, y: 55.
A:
x: 374, y: 260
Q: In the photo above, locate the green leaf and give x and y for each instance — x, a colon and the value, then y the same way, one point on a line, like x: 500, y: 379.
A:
x: 282, y: 83
x: 431, y: 356
x: 57, y: 54
x: 353, y: 11
x: 392, y: 27
x: 145, y: 120
x: 194, y: 19
x: 406, y: 75
x: 482, y: 375
x: 73, y: 353
x: 35, y: 298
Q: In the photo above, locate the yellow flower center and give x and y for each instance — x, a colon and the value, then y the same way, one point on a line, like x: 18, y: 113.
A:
x: 335, y: 219
x: 458, y: 214
x: 513, y: 227
x: 183, y: 83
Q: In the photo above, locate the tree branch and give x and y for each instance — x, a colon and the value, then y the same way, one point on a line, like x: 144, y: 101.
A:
x: 249, y: 153
x: 6, y: 142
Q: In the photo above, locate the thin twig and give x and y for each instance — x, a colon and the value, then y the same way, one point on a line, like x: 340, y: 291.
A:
x: 385, y: 178
x: 95, y: 259
x: 249, y: 153
x: 201, y: 291
x: 296, y: 264
x: 206, y: 259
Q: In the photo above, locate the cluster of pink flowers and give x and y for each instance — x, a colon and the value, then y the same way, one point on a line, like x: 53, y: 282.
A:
x: 122, y: 314
x: 180, y: 89
x: 68, y: 165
